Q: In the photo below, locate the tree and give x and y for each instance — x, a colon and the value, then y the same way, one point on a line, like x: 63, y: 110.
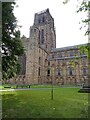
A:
x: 84, y: 7
x: 12, y: 46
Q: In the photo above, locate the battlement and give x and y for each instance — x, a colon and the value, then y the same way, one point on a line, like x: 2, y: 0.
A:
x: 44, y: 11
x: 43, y: 17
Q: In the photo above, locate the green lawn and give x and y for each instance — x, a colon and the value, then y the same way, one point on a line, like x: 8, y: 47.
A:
x: 67, y: 103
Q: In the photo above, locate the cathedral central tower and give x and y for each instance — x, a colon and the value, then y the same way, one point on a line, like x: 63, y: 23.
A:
x: 44, y: 26
x: 41, y: 41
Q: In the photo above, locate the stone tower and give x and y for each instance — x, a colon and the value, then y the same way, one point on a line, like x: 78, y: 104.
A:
x: 42, y: 40
x: 44, y: 25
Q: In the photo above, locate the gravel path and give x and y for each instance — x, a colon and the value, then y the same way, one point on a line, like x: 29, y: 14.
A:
x: 37, y: 88
x: 28, y: 89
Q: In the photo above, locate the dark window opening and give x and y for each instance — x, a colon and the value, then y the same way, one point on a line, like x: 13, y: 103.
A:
x: 39, y: 37
x: 70, y: 71
x: 48, y: 73
x: 43, y: 19
x: 58, y: 72
x: 42, y: 36
x: 39, y: 60
x: 39, y: 72
x: 48, y: 63
x: 45, y: 60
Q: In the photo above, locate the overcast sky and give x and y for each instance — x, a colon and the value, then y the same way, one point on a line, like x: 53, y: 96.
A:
x: 66, y: 19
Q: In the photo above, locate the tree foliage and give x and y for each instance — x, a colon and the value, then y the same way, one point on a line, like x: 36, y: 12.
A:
x: 84, y: 7
x: 12, y: 46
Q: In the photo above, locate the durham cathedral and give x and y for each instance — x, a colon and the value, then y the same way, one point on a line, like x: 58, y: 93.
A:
x: 43, y: 63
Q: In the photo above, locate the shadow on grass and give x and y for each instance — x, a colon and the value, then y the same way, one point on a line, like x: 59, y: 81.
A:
x: 10, y: 104
x: 15, y: 106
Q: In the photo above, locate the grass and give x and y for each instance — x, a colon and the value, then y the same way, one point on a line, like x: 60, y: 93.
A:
x: 67, y: 103
x: 44, y: 86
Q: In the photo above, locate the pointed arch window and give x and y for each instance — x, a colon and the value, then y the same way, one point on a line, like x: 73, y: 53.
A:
x: 70, y: 72
x: 58, y: 71
x: 43, y: 19
x: 39, y: 37
x: 48, y: 72
x: 42, y: 37
x: 49, y: 63
x: 39, y: 71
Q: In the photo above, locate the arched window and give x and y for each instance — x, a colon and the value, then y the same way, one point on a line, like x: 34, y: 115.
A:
x: 48, y: 72
x: 70, y: 72
x: 43, y: 19
x: 42, y: 36
x: 39, y: 37
x: 48, y: 63
x: 39, y: 60
x: 58, y: 71
x: 39, y: 71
